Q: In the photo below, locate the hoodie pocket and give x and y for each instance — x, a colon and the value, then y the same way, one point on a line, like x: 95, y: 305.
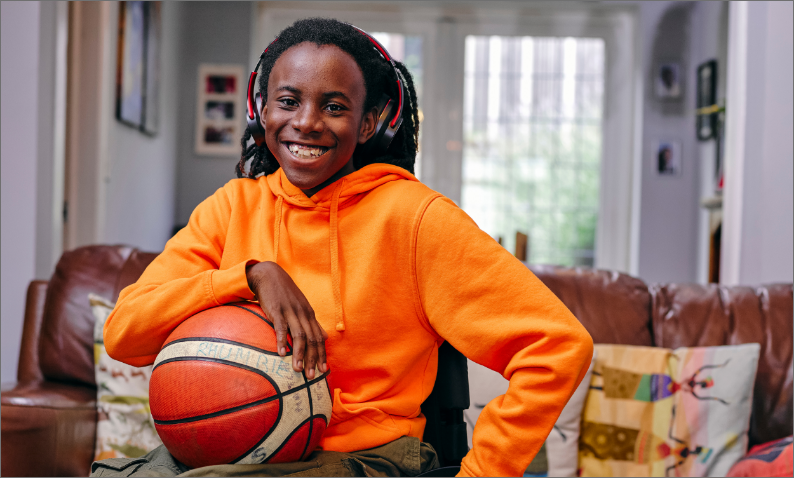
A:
x: 371, y: 415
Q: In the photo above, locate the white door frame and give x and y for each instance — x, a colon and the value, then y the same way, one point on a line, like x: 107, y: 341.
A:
x: 444, y: 27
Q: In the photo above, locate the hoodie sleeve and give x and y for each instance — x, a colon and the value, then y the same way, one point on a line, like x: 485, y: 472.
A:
x: 183, y: 280
x: 490, y: 307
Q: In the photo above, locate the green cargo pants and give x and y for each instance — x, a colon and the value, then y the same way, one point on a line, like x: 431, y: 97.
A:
x: 406, y: 456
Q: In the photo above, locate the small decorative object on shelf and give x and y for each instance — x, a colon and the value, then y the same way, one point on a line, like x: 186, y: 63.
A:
x: 522, y: 246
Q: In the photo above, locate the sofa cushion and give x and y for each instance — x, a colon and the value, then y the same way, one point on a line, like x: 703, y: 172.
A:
x: 125, y: 428
x: 662, y: 412
x: 613, y: 307
x: 691, y: 315
x: 558, y: 456
x: 67, y: 333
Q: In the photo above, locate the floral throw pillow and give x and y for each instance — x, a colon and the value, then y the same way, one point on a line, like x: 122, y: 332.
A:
x: 558, y: 455
x: 124, y: 427
x: 659, y: 412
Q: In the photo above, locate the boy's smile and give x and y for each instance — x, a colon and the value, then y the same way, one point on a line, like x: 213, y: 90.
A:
x: 314, y: 115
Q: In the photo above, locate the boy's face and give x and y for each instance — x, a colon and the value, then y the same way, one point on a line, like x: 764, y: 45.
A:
x: 314, y: 114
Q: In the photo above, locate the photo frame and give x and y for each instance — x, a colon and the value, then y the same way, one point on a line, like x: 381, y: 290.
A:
x: 138, y: 65
x: 707, y: 116
x: 667, y: 158
x: 668, y: 80
x: 219, y: 109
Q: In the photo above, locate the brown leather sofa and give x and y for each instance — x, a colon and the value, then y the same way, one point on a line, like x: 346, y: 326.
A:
x: 49, y: 416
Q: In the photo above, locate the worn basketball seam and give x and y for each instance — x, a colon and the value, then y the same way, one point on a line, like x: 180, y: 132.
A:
x: 289, y: 347
x: 311, y: 412
x: 292, y: 433
x: 218, y: 340
x: 279, y: 394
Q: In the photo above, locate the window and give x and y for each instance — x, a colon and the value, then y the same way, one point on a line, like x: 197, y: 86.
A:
x: 407, y: 49
x: 532, y: 142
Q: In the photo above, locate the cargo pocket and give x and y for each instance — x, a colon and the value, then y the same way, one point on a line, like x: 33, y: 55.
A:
x: 158, y: 462
x: 117, y: 466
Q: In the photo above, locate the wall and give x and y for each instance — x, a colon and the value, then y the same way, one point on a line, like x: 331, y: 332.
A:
x: 141, y: 189
x: 121, y: 186
x: 213, y: 32
x: 758, y: 236
x: 18, y: 150
x: 710, y: 42
x: 669, y: 206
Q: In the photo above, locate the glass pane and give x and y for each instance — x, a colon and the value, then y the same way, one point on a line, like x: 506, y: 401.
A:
x: 408, y: 49
x: 533, y: 110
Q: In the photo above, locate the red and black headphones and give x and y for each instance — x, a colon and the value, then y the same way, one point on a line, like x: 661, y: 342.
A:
x: 389, y: 111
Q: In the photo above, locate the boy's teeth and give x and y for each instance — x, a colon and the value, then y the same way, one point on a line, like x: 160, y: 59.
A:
x: 302, y: 151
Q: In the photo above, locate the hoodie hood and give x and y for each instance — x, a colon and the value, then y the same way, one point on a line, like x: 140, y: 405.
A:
x: 332, y: 197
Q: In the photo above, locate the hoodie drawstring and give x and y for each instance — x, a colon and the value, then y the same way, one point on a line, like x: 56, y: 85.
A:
x: 334, y: 244
x: 277, y: 228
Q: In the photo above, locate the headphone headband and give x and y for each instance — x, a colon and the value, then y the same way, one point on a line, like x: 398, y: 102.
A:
x: 388, y: 123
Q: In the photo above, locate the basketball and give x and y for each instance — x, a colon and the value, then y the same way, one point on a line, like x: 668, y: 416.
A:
x: 220, y: 393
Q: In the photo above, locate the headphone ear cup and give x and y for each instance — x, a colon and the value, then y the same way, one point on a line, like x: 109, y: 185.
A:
x: 384, y: 133
x: 254, y: 124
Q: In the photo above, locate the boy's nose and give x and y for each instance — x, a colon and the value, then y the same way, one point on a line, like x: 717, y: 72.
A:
x: 308, y: 120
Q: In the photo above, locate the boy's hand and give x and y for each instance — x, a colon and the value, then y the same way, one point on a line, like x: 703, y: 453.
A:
x: 287, y: 307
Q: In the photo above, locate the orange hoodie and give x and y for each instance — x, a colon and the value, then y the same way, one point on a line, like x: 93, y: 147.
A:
x: 391, y: 269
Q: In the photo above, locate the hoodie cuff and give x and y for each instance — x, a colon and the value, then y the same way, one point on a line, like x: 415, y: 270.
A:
x: 231, y: 285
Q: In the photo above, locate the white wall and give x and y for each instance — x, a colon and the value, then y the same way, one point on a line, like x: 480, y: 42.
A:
x: 669, y: 206
x: 213, y: 32
x: 121, y: 181
x: 19, y: 45
x: 141, y: 171
x: 710, y: 41
x: 758, y: 236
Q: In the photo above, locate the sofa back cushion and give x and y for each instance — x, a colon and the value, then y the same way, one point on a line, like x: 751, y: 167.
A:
x: 691, y: 315
x: 66, y: 345
x: 613, y: 307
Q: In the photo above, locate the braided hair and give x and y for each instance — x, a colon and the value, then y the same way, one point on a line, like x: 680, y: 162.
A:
x: 378, y: 79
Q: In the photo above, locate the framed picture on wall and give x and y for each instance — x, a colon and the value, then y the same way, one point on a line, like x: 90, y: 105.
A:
x: 219, y: 109
x: 151, y: 78
x: 667, y: 158
x: 138, y: 65
x: 668, y: 80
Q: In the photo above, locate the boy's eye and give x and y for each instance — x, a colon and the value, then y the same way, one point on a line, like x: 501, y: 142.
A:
x: 288, y: 102
x: 334, y: 107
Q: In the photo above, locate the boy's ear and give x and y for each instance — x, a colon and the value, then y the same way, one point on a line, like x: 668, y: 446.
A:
x: 368, y: 124
x: 262, y: 115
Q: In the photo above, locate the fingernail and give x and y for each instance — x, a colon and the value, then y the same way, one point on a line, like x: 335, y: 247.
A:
x: 282, y: 351
x: 310, y: 374
x: 323, y: 367
x: 300, y: 364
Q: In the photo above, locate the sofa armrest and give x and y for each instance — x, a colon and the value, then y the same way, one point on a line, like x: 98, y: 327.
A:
x: 28, y: 369
x: 48, y: 429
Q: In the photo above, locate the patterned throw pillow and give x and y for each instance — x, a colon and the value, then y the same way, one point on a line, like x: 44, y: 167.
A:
x: 125, y: 427
x: 661, y: 412
x: 558, y: 455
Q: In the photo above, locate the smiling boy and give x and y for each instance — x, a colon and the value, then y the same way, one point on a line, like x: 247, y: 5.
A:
x: 366, y: 268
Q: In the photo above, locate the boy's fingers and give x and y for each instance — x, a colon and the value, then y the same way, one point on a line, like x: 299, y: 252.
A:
x: 320, y: 334
x: 312, y: 342
x: 298, y: 343
x: 281, y: 328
